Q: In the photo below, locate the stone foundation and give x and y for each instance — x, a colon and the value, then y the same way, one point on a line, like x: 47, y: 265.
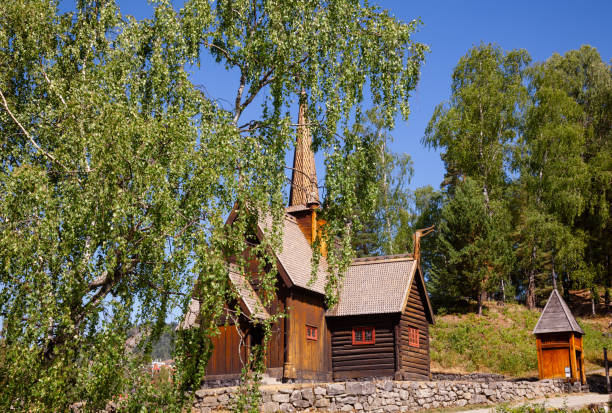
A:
x: 385, y: 395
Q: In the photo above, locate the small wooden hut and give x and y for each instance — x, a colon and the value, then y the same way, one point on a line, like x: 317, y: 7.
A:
x: 559, y: 342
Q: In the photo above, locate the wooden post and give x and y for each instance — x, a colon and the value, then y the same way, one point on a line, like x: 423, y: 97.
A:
x: 540, y: 359
x: 573, y: 362
x: 605, y: 351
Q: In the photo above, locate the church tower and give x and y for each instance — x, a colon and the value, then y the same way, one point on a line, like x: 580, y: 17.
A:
x: 304, y: 191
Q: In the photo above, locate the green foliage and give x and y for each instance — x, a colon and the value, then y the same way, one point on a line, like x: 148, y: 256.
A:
x: 499, y: 342
x: 117, y: 174
x: 537, y: 141
x: 541, y: 408
x: 471, y: 245
x: 475, y: 130
x: 387, y: 229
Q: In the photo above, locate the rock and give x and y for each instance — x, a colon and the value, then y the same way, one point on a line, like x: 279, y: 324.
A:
x: 346, y: 408
x: 335, y: 388
x: 280, y: 398
x: 209, y: 401
x: 270, y: 407
x: 354, y: 387
x: 322, y: 403
x: 286, y: 389
x: 202, y: 393
x: 388, y: 385
x: 223, y: 398
x: 295, y: 395
x: 403, y: 394
x: 368, y: 388
x: 287, y: 407
x: 358, y: 406
x: 423, y: 393
x: 391, y: 408
x: 478, y: 399
x: 308, y: 394
x: 320, y: 391
x: 347, y: 399
x: 302, y: 404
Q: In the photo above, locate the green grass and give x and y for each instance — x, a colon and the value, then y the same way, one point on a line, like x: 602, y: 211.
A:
x: 501, y: 341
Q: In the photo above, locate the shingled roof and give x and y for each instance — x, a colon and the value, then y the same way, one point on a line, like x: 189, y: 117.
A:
x: 377, y: 285
x: 556, y: 317
x: 249, y: 301
x: 295, y: 256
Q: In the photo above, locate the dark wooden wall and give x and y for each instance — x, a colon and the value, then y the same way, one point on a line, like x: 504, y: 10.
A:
x: 275, y: 351
x: 369, y: 360
x: 414, y: 363
x: 311, y: 358
x: 227, y: 356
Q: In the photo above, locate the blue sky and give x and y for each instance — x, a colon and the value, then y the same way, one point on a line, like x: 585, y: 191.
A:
x: 450, y: 28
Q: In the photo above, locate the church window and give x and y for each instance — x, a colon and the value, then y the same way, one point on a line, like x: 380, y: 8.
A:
x: 363, y: 335
x: 312, y: 332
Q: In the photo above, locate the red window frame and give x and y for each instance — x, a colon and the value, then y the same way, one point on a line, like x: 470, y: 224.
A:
x: 360, y: 337
x: 413, y: 337
x: 312, y: 332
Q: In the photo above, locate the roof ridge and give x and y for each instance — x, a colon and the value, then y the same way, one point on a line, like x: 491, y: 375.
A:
x: 382, y: 259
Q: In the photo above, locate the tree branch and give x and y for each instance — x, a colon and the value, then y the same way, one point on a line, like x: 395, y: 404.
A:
x: 32, y: 141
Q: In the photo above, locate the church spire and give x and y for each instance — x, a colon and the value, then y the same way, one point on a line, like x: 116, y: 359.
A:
x: 304, y: 189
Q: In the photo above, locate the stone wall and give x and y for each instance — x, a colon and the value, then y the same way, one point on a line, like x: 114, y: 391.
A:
x: 383, y: 396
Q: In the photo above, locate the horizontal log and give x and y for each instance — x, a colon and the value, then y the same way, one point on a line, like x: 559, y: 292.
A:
x: 414, y: 362
x: 377, y: 334
x: 414, y: 302
x: 416, y: 350
x: 415, y: 357
x: 422, y: 348
x: 413, y: 314
x: 357, y: 364
x: 361, y: 356
x: 349, y: 334
x: 413, y: 323
x: 377, y: 340
x: 366, y: 373
x: 381, y: 366
x: 412, y: 376
x: 389, y: 349
x: 415, y: 367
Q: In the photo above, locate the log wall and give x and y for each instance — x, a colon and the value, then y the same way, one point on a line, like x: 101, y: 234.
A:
x: 414, y: 362
x: 367, y: 360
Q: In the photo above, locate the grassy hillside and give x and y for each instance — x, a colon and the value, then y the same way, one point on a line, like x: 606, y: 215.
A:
x: 501, y: 341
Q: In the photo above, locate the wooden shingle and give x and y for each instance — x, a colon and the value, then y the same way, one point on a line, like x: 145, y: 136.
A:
x: 556, y: 317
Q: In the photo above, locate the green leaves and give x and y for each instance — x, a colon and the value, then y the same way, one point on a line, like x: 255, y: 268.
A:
x: 117, y: 174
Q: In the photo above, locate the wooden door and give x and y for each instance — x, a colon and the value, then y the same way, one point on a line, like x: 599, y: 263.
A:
x: 554, y: 362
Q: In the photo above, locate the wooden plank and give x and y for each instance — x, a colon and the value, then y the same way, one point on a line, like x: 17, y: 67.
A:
x: 381, y: 366
x: 417, y: 368
x: 357, y: 350
x: 412, y: 355
x: 367, y: 373
x: 573, y: 363
x: 539, y: 350
x: 338, y: 365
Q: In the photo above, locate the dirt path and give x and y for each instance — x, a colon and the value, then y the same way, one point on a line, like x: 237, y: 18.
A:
x: 568, y: 401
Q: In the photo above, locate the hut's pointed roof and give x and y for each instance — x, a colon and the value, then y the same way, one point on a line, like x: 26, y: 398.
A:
x: 556, y: 317
x: 304, y: 189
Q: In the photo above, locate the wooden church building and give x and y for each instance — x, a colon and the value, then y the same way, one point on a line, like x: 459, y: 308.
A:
x: 559, y: 342
x: 379, y: 327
